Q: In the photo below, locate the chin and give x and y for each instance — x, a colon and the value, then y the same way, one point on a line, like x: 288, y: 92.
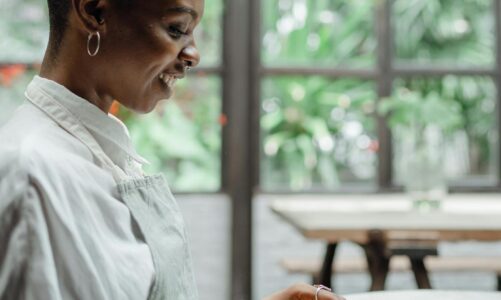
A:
x: 149, y: 101
x: 149, y: 105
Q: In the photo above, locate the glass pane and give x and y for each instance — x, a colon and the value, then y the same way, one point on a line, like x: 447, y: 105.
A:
x: 448, y: 32
x: 209, y: 33
x: 330, y: 32
x: 24, y: 29
x: 182, y: 138
x: 471, y: 142
x: 317, y: 133
x: 13, y: 82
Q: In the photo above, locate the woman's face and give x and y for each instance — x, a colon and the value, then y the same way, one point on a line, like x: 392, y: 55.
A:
x: 146, y: 48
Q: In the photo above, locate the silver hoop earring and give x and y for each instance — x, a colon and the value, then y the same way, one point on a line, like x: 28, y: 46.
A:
x: 89, y: 38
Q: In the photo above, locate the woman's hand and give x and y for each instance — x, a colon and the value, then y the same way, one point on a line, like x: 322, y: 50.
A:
x: 302, y: 291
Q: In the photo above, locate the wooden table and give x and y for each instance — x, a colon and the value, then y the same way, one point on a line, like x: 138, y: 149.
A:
x: 374, y: 220
x: 425, y: 295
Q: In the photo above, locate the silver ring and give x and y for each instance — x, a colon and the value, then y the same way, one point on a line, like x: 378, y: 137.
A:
x: 319, y: 288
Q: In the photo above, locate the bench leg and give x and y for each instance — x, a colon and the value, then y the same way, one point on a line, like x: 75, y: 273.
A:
x: 498, y: 277
x: 420, y: 273
x: 325, y: 275
x: 378, y: 269
x: 378, y: 261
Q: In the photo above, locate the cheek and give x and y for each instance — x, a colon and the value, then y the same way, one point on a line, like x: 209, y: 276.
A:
x: 145, y: 48
x: 155, y: 46
x: 162, y: 48
x: 139, y: 55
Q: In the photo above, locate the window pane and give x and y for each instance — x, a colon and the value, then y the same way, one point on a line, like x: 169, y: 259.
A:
x: 317, y: 133
x: 24, y: 29
x: 13, y: 82
x: 444, y: 31
x: 209, y: 35
x: 182, y: 138
x: 331, y: 32
x: 471, y: 146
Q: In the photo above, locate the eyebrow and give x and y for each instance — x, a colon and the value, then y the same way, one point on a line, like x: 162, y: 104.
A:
x: 184, y: 9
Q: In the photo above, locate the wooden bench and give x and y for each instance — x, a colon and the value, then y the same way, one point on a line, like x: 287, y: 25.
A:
x: 400, y: 263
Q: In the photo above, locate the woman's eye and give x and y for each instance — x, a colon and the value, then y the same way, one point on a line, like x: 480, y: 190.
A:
x: 176, y: 32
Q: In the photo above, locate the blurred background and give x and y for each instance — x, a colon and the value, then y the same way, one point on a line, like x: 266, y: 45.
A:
x: 305, y: 98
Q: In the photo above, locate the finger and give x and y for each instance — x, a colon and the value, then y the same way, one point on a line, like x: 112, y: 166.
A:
x: 326, y: 295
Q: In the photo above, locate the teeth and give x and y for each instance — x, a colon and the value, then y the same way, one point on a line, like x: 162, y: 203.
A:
x: 167, y: 79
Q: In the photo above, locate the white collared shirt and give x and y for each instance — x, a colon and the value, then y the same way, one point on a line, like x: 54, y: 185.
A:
x: 64, y: 232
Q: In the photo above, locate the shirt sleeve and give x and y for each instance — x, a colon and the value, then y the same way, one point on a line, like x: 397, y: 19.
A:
x: 27, y: 269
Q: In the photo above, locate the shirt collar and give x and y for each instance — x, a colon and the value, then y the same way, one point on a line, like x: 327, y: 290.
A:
x: 108, y: 131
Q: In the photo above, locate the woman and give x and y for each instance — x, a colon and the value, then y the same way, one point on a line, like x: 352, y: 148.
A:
x: 78, y: 218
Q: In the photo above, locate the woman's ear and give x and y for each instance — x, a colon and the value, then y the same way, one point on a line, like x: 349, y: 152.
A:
x: 91, y: 14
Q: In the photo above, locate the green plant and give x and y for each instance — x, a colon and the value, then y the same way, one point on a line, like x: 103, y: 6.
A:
x: 472, y: 99
x: 411, y: 110
x: 315, y: 130
x: 444, y: 32
x: 447, y: 32
x: 322, y: 31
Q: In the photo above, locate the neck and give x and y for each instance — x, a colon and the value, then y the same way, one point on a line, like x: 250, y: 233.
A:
x: 74, y: 74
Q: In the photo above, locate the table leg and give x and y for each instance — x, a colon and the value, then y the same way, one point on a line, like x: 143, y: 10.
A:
x: 378, y: 261
x: 325, y: 274
x: 416, y: 251
x: 420, y: 273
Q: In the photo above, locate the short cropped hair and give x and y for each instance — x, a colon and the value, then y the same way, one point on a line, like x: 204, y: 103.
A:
x: 58, y: 18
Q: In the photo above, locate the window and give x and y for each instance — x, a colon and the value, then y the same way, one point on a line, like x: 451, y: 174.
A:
x: 300, y: 33
x: 318, y: 132
x: 327, y: 65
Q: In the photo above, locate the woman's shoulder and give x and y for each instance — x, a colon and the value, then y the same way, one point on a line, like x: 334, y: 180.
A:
x: 31, y: 140
x: 36, y: 154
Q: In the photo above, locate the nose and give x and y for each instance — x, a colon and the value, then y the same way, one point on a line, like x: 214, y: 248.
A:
x: 190, y: 56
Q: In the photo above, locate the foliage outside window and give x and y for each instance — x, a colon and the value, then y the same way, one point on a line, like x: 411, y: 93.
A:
x: 453, y: 33
x: 447, y: 32
x: 324, y: 33
x: 471, y: 148
x: 332, y: 34
x: 318, y: 132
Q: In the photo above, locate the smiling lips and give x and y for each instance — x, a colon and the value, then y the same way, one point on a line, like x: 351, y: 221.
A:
x: 168, y: 80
